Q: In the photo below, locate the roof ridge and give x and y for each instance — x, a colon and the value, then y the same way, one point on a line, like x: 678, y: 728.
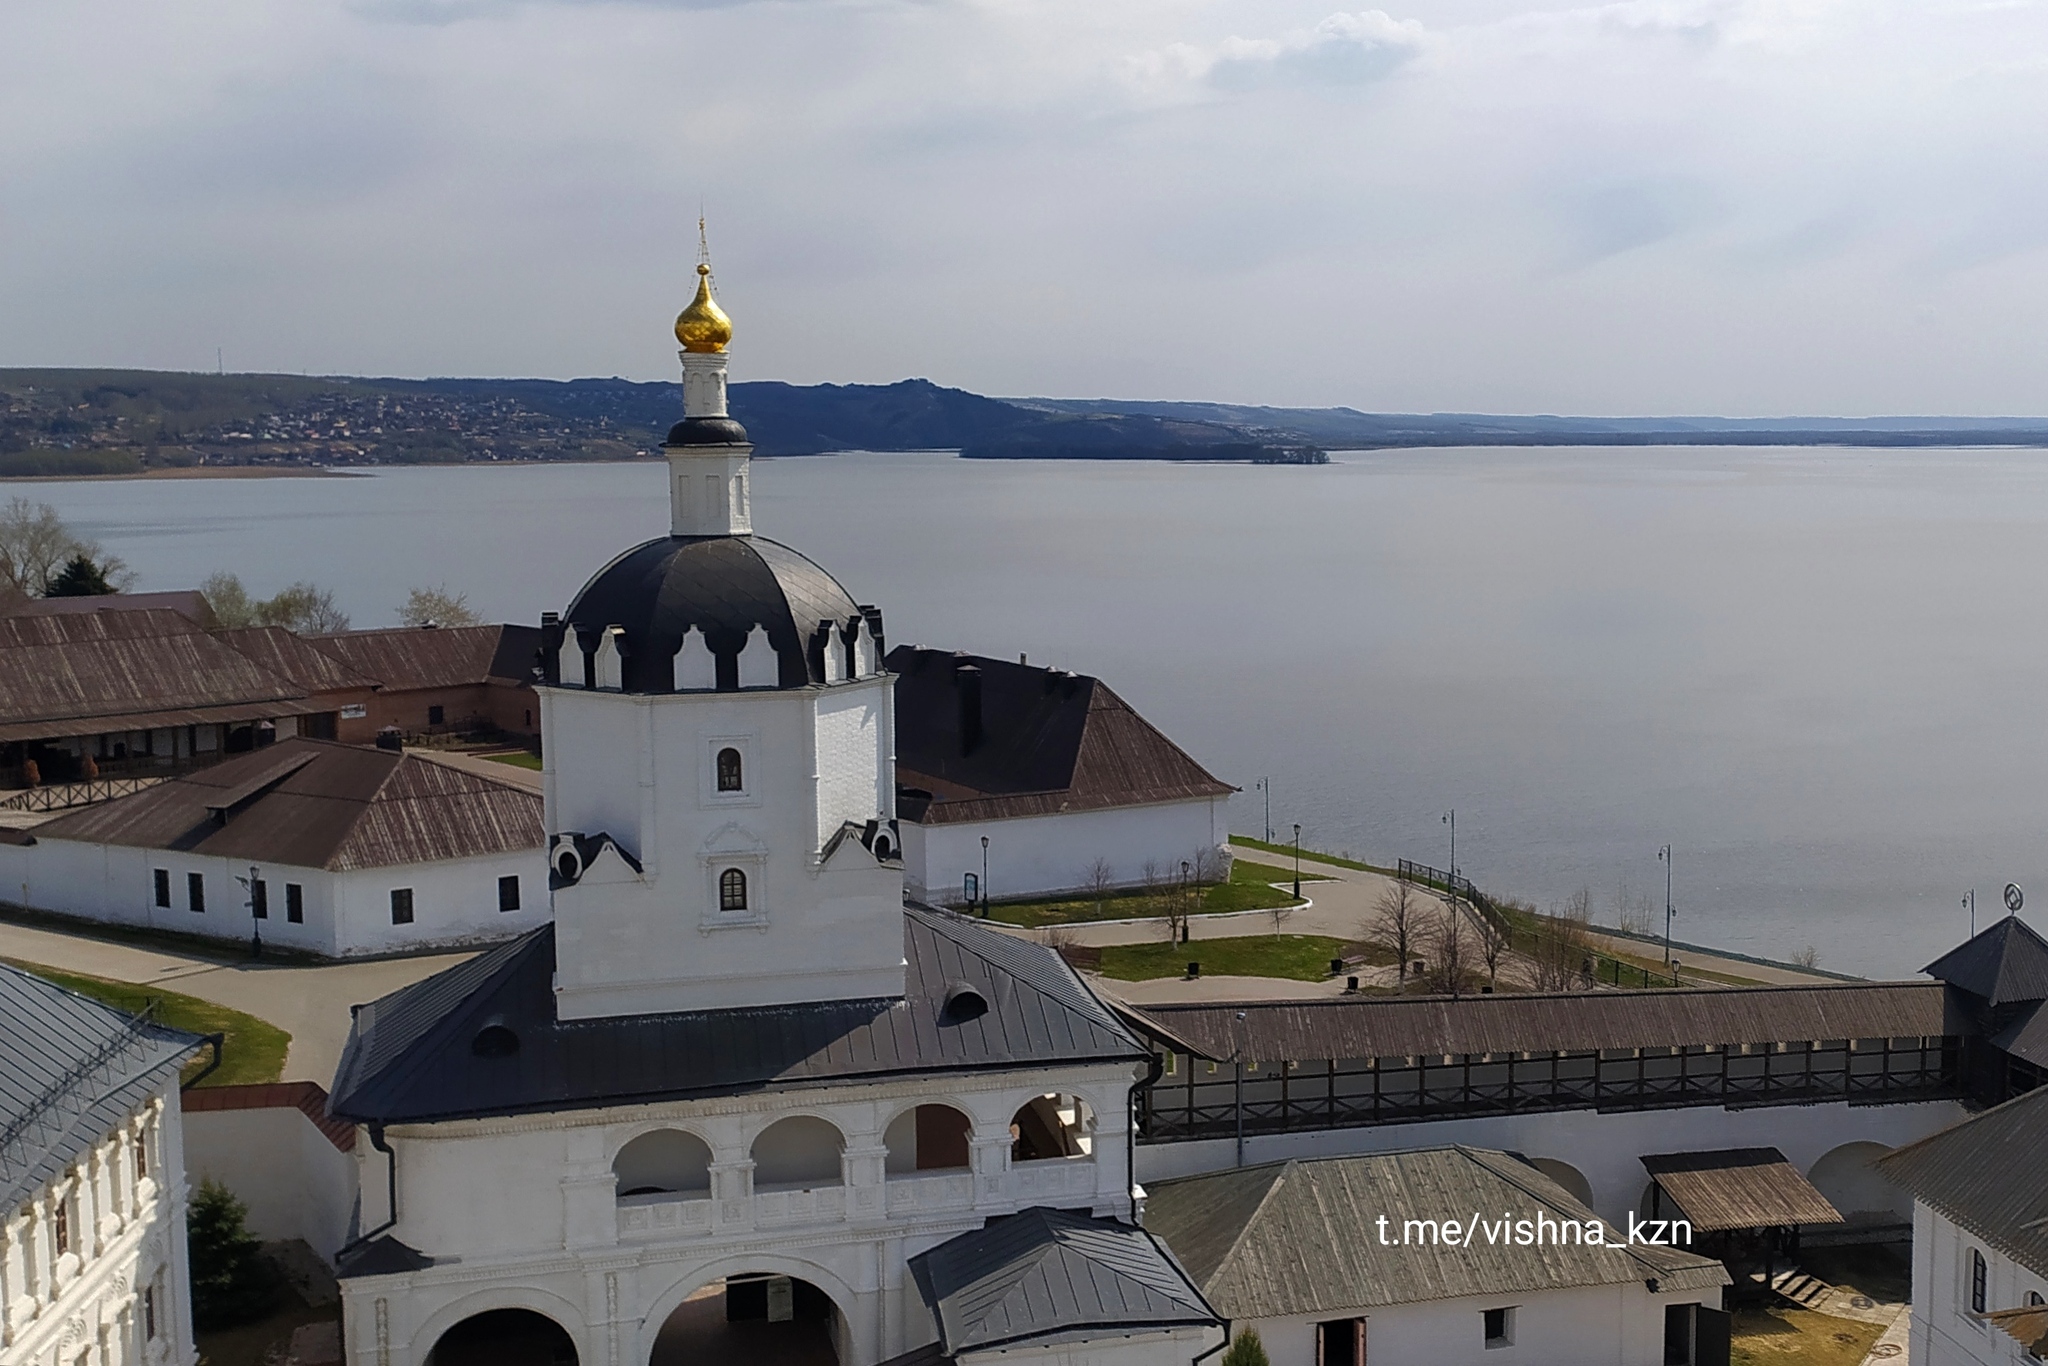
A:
x: 1281, y: 1171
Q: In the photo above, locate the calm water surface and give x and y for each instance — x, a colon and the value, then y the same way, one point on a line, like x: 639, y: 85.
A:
x: 1818, y: 674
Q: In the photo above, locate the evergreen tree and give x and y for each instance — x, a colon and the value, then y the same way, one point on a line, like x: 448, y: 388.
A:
x: 79, y: 578
x: 1246, y: 1350
x: 232, y: 1281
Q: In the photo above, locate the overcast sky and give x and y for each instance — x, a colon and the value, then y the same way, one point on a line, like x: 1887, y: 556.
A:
x: 1656, y: 206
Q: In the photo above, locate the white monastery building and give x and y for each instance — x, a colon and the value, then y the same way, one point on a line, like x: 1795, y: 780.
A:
x: 92, y: 1183
x: 1040, y: 780
x: 330, y: 849
x: 723, y: 1103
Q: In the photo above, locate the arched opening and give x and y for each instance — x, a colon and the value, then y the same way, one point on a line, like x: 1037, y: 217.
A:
x: 732, y: 890
x: 1846, y: 1176
x: 1566, y: 1175
x: 665, y: 1162
x: 730, y: 776
x: 1052, y: 1125
x: 798, y: 1153
x: 930, y: 1138
x: 504, y: 1337
x: 763, y: 1320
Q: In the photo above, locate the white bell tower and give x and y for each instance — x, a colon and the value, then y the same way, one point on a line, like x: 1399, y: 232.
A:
x: 719, y: 754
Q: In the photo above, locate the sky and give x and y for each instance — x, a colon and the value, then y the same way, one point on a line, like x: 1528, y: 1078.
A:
x: 1745, y: 207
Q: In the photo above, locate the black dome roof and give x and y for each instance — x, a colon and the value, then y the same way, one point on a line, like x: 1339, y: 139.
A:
x: 724, y: 586
x: 707, y: 431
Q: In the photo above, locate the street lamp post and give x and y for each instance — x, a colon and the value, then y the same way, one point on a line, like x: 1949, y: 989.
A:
x: 1451, y: 873
x: 1970, y: 902
x: 1237, y: 1061
x: 984, y: 877
x: 1297, y: 860
x: 1265, y: 785
x: 1665, y: 855
x: 254, y: 883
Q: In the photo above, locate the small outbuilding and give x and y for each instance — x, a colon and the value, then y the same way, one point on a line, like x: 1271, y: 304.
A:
x: 331, y: 849
x: 1444, y: 1255
x: 1040, y: 781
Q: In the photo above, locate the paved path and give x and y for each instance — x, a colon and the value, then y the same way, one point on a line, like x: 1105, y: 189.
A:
x: 310, y: 1002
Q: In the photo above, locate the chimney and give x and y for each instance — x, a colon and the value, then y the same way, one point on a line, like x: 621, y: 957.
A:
x: 967, y: 679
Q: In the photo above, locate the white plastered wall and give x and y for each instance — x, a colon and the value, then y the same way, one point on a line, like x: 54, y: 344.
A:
x: 296, y: 1183
x: 1605, y: 1325
x: 1946, y: 1331
x: 1041, y: 855
x: 346, y: 913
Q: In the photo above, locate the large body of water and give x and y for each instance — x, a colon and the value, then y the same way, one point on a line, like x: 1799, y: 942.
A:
x: 1820, y: 675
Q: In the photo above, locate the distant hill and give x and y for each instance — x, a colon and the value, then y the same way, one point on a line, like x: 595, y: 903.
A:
x: 59, y: 422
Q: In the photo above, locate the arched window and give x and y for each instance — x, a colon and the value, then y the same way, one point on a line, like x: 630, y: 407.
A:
x: 730, y: 778
x: 1980, y: 1277
x: 732, y: 890
x: 663, y: 1162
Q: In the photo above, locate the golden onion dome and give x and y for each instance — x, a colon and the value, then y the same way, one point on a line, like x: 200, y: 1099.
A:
x: 703, y: 326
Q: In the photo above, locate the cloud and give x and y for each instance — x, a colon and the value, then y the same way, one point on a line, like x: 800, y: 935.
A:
x: 1343, y: 50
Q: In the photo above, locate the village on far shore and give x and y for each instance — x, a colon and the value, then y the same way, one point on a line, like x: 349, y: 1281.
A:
x: 696, y: 974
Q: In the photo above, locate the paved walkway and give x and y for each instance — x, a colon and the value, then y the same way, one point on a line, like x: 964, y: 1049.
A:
x: 310, y: 1002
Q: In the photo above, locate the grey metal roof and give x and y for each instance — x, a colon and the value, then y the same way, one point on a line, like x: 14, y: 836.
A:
x: 1050, y: 741
x: 2005, y: 962
x: 70, y: 1070
x: 317, y: 804
x: 1302, y: 1237
x: 1730, y: 1188
x: 2026, y: 1037
x: 1391, y: 1027
x: 408, y: 658
x: 1988, y: 1174
x: 1044, y: 1276
x: 409, y: 1056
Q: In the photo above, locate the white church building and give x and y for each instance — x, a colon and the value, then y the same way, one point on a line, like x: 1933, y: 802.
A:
x: 720, y: 1106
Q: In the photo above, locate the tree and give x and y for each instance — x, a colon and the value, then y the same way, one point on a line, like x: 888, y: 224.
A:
x: 232, y: 1281
x: 1246, y: 1350
x: 302, y: 607
x: 35, y: 546
x: 1493, y: 946
x: 437, y: 607
x: 1450, y: 950
x: 79, y: 578
x: 1101, y: 881
x: 1564, y: 945
x: 1397, y: 923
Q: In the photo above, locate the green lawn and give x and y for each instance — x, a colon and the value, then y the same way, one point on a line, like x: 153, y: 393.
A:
x: 1287, y: 849
x: 1303, y: 957
x: 253, y: 1050
x: 1245, y: 890
x: 1244, y: 870
x: 518, y: 758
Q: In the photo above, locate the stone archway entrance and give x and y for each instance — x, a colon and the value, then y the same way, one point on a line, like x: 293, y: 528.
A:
x: 504, y: 1337
x: 759, y: 1320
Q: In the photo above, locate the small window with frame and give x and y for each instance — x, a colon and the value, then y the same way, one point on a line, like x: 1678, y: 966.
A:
x: 294, y: 903
x: 508, y: 893
x: 195, y: 892
x: 1499, y: 1326
x: 401, y: 905
x: 732, y: 773
x: 1980, y: 1282
x: 732, y: 890
x: 162, y: 879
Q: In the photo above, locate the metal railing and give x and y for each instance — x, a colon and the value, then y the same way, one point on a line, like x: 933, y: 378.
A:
x: 61, y: 796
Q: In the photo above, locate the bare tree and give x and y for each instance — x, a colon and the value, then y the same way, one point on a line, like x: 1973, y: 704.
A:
x: 1493, y: 947
x: 1631, y: 909
x: 35, y: 545
x: 437, y: 607
x: 1397, y: 923
x: 1450, y: 949
x: 1100, y: 881
x: 1808, y: 957
x: 1210, y: 864
x: 1564, y: 947
x: 302, y: 607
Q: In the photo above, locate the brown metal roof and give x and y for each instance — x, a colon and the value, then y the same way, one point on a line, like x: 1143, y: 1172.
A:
x: 1281, y: 1031
x: 407, y: 658
x: 95, y: 672
x: 187, y: 602
x: 310, y: 668
x: 316, y: 804
x: 1050, y: 742
x: 1303, y: 1237
x: 1739, y: 1188
x: 1988, y: 1175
